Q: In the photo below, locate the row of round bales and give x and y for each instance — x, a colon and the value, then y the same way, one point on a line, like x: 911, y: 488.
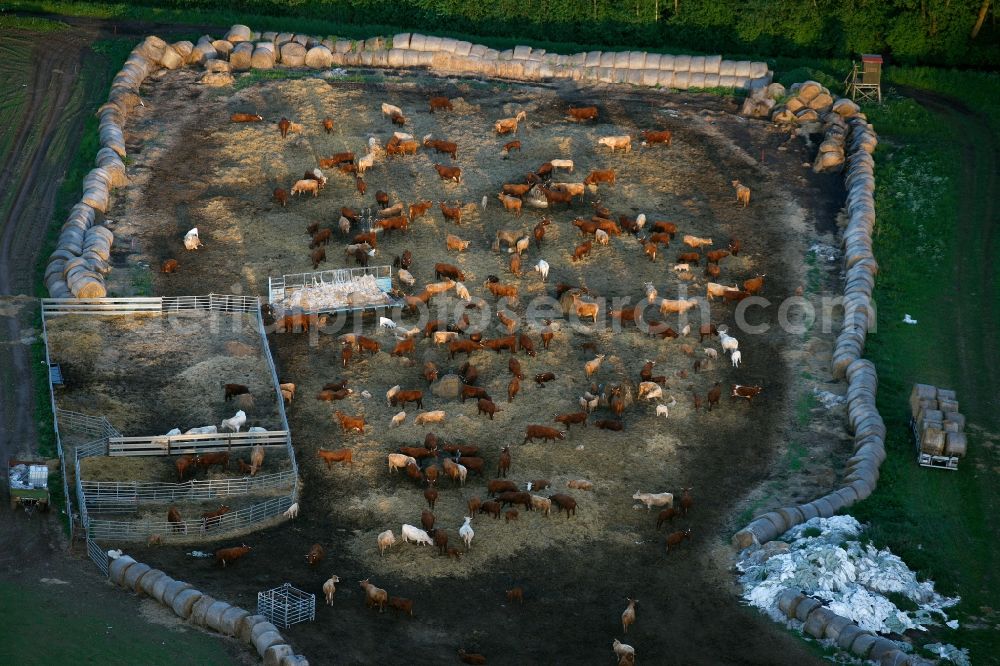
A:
x: 822, y: 623
x: 864, y: 420
x: 203, y: 610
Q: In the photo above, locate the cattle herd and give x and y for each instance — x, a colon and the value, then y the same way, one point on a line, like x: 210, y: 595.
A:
x: 439, y: 466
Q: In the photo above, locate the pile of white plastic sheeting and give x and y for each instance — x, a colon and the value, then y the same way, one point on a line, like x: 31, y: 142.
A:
x: 851, y: 578
x: 948, y: 651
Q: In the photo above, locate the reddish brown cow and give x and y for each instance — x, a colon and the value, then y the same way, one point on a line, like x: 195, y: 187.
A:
x: 440, y: 104
x: 512, y: 145
x: 448, y: 173
x: 174, y: 517
x: 213, y: 518
x: 402, y: 397
x: 514, y: 366
x: 492, y: 508
x: 582, y: 250
x: 545, y: 433
x: 476, y: 392
x: 714, y: 394
x: 280, y: 195
x: 570, y: 419
x: 350, y: 423
x: 652, y: 137
x: 403, y: 347
x: 512, y: 388
x: 283, y: 126
x: 220, y: 458
x: 600, y: 176
x: 315, y: 555
x: 485, y: 406
x: 472, y: 463
x: 689, y: 258
x: 747, y: 392
x: 463, y: 347
x: 449, y: 148
x: 583, y: 113
x: 368, y: 345
x: 565, y: 503
x: 430, y: 493
x: 183, y: 464
x: 337, y: 455
x: 227, y: 555
x: 246, y: 118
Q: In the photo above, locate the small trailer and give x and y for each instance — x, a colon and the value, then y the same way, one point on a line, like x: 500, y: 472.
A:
x: 29, y: 484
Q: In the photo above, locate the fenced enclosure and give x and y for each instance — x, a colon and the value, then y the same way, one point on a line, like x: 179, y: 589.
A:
x: 284, y: 291
x: 129, y: 495
x: 286, y: 605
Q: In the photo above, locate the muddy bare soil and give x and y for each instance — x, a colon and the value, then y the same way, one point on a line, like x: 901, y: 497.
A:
x: 194, y: 168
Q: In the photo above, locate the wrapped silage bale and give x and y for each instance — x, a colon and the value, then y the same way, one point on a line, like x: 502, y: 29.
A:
x: 432, y: 43
x: 697, y: 65
x: 263, y: 56
x: 302, y: 40
x: 293, y: 54
x: 183, y: 48
x: 239, y: 33
x: 202, y: 51
x: 448, y: 45
x: 223, y: 48
x: 241, y: 59
x: 681, y: 78
x: 401, y: 41
x: 283, y: 38
x: 480, y: 51
x: 682, y: 63
x: 319, y: 57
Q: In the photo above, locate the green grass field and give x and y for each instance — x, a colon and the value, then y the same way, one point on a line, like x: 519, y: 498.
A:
x: 49, y: 624
x: 943, y: 524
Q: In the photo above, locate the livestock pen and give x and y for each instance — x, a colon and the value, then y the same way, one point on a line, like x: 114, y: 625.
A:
x: 91, y: 334
x: 721, y: 453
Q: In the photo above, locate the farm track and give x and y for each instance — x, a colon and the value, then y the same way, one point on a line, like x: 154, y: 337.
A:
x: 977, y: 217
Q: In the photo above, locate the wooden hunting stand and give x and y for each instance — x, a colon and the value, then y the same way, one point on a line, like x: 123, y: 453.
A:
x: 864, y: 83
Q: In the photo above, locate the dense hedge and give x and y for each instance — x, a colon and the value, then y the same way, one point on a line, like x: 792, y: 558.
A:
x: 912, y: 31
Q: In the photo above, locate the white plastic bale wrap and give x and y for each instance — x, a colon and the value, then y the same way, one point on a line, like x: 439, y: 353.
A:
x: 432, y: 43
x: 401, y: 41
x: 697, y: 65
x: 112, y: 163
x: 223, y: 48
x: 202, y: 51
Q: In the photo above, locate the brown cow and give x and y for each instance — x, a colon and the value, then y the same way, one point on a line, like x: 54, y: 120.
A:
x: 448, y: 173
x: 565, y: 503
x: 350, y: 423
x: 283, y: 126
x: 600, y: 176
x: 652, y: 137
x: 583, y: 113
x: 402, y: 397
x: 183, y: 464
x: 213, y: 518
x: 440, y: 103
x: 747, y: 392
x: 226, y: 555
x: 485, y: 406
x: 337, y: 455
x: 546, y: 433
x: 570, y: 419
x: 174, y: 517
x: 206, y: 460
x: 280, y: 195
x: 315, y: 554
x: 246, y: 118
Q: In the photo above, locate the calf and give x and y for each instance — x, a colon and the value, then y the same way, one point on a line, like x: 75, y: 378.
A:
x: 651, y: 137
x: 747, y: 392
x: 583, y: 113
x: 486, y: 406
x: 227, y: 555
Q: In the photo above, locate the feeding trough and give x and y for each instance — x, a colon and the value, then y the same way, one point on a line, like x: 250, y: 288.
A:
x: 338, y: 290
x: 286, y: 605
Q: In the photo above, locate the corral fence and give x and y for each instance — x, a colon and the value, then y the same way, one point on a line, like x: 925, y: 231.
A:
x: 280, y: 288
x: 238, y: 521
x: 121, y: 496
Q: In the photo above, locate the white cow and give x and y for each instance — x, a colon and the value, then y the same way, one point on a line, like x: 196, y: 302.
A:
x: 737, y: 358
x: 654, y: 499
x: 729, y: 343
x: 191, y: 240
x: 416, y: 535
x: 234, y: 424
x: 465, y: 531
x: 385, y: 540
x: 203, y: 430
x: 542, y: 268
x: 292, y: 511
x: 385, y: 322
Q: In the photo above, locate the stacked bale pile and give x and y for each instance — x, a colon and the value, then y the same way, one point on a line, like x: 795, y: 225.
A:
x: 820, y: 622
x: 204, y: 610
x: 938, y: 426
x: 862, y: 380
x: 810, y: 102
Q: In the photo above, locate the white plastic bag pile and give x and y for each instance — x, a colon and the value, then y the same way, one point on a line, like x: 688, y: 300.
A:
x: 852, y: 579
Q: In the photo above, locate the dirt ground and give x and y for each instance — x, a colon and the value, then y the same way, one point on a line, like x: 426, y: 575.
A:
x: 576, y: 572
x: 149, y: 373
